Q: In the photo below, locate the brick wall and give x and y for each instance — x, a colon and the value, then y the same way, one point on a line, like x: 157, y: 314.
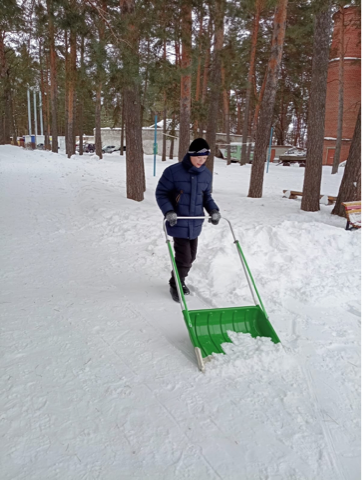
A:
x: 352, y: 83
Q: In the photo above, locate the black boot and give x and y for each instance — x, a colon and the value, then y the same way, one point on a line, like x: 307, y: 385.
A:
x: 174, y: 294
x: 185, y: 288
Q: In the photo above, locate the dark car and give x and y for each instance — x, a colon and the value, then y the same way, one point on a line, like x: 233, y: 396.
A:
x: 89, y: 148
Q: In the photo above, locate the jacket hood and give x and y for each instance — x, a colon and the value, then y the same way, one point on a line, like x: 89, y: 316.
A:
x: 186, y: 163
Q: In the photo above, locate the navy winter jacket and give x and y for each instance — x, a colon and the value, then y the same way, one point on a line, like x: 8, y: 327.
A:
x: 186, y: 190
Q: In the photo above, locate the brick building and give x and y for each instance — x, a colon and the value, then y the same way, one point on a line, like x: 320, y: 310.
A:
x: 352, y: 83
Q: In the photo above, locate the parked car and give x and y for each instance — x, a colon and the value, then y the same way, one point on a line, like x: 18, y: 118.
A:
x: 119, y: 149
x: 89, y: 148
x: 108, y: 149
x: 40, y: 146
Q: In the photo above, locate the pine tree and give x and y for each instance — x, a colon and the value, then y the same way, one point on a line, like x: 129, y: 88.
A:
x: 185, y: 99
x: 350, y: 189
x: 317, y: 105
x: 215, y: 81
x: 267, y: 106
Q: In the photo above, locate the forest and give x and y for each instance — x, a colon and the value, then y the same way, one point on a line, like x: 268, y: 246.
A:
x: 203, y: 67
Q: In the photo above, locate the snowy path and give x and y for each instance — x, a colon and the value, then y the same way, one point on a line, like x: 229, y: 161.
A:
x: 98, y: 376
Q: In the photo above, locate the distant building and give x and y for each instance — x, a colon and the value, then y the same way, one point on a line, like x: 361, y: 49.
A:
x: 352, y: 84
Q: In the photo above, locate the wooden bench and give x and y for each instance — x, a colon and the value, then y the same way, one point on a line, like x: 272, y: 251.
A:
x: 326, y: 199
x: 353, y: 213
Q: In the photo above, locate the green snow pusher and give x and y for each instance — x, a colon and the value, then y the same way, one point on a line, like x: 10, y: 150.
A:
x: 208, y: 328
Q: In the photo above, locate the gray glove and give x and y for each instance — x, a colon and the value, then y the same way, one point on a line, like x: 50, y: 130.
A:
x: 215, y: 217
x: 171, y: 217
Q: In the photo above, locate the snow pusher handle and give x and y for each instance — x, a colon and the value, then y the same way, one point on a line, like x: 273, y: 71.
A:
x: 248, y: 275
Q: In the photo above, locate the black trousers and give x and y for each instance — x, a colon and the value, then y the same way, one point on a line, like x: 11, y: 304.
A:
x: 185, y: 254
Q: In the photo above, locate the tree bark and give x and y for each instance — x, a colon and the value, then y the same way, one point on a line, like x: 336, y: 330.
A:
x: 267, y: 106
x: 5, y: 94
x: 337, y: 152
x: 136, y: 183
x: 47, y: 139
x: 172, y: 133
x: 164, y: 127
x: 134, y: 154
x: 185, y: 100
x: 226, y: 101
x: 44, y: 97
x: 66, y: 91
x: 317, y: 107
x: 82, y: 73
x: 350, y: 189
x: 215, y: 83
x: 98, y: 134
x: 53, y: 76
x: 122, y: 127
x: 198, y: 75
x: 251, y: 75
x: 71, y: 92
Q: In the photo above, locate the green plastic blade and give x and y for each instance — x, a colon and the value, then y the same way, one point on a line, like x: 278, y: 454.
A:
x: 209, y: 328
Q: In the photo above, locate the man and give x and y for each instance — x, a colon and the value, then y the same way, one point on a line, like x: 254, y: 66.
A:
x: 185, y: 190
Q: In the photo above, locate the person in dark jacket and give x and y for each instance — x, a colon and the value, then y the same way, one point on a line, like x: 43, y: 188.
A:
x: 185, y: 190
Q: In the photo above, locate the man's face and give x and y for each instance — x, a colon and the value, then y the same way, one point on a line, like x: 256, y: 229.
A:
x: 198, y: 161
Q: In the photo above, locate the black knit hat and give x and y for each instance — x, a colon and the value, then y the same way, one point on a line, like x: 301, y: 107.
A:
x: 199, y: 147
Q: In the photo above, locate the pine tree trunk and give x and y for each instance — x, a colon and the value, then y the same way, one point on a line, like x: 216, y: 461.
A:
x: 251, y: 75
x: 350, y: 189
x: 81, y: 97
x: 185, y: 100
x: 44, y: 98
x: 98, y: 135
x: 5, y: 95
x: 164, y: 127
x: 136, y: 182
x: 316, y: 112
x: 198, y: 76
x: 122, y: 127
x: 205, y: 75
x: 164, y: 130
x: 172, y: 136
x: 134, y: 155
x: 226, y: 101
x: 267, y: 106
x: 71, y: 93
x: 53, y: 76
x: 215, y: 83
x: 48, y: 95
x: 66, y: 91
x: 337, y: 152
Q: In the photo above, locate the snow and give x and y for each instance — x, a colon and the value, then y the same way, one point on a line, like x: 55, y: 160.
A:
x: 333, y: 138
x: 345, y: 58
x: 99, y: 378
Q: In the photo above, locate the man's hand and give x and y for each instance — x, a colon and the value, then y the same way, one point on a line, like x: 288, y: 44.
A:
x: 171, y: 217
x: 214, y: 217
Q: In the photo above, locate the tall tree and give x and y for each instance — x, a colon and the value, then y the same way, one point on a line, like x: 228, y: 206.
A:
x: 337, y: 152
x: 259, y: 4
x: 53, y: 75
x: 350, y: 189
x: 215, y: 81
x: 317, y: 107
x: 267, y: 106
x: 132, y: 105
x: 185, y: 100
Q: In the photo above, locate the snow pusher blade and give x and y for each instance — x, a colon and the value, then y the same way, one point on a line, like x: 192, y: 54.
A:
x: 208, y: 328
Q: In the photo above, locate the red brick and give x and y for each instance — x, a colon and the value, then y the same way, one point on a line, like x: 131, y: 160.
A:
x: 352, y: 83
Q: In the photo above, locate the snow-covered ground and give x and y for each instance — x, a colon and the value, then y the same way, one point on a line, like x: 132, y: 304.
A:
x: 98, y: 375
